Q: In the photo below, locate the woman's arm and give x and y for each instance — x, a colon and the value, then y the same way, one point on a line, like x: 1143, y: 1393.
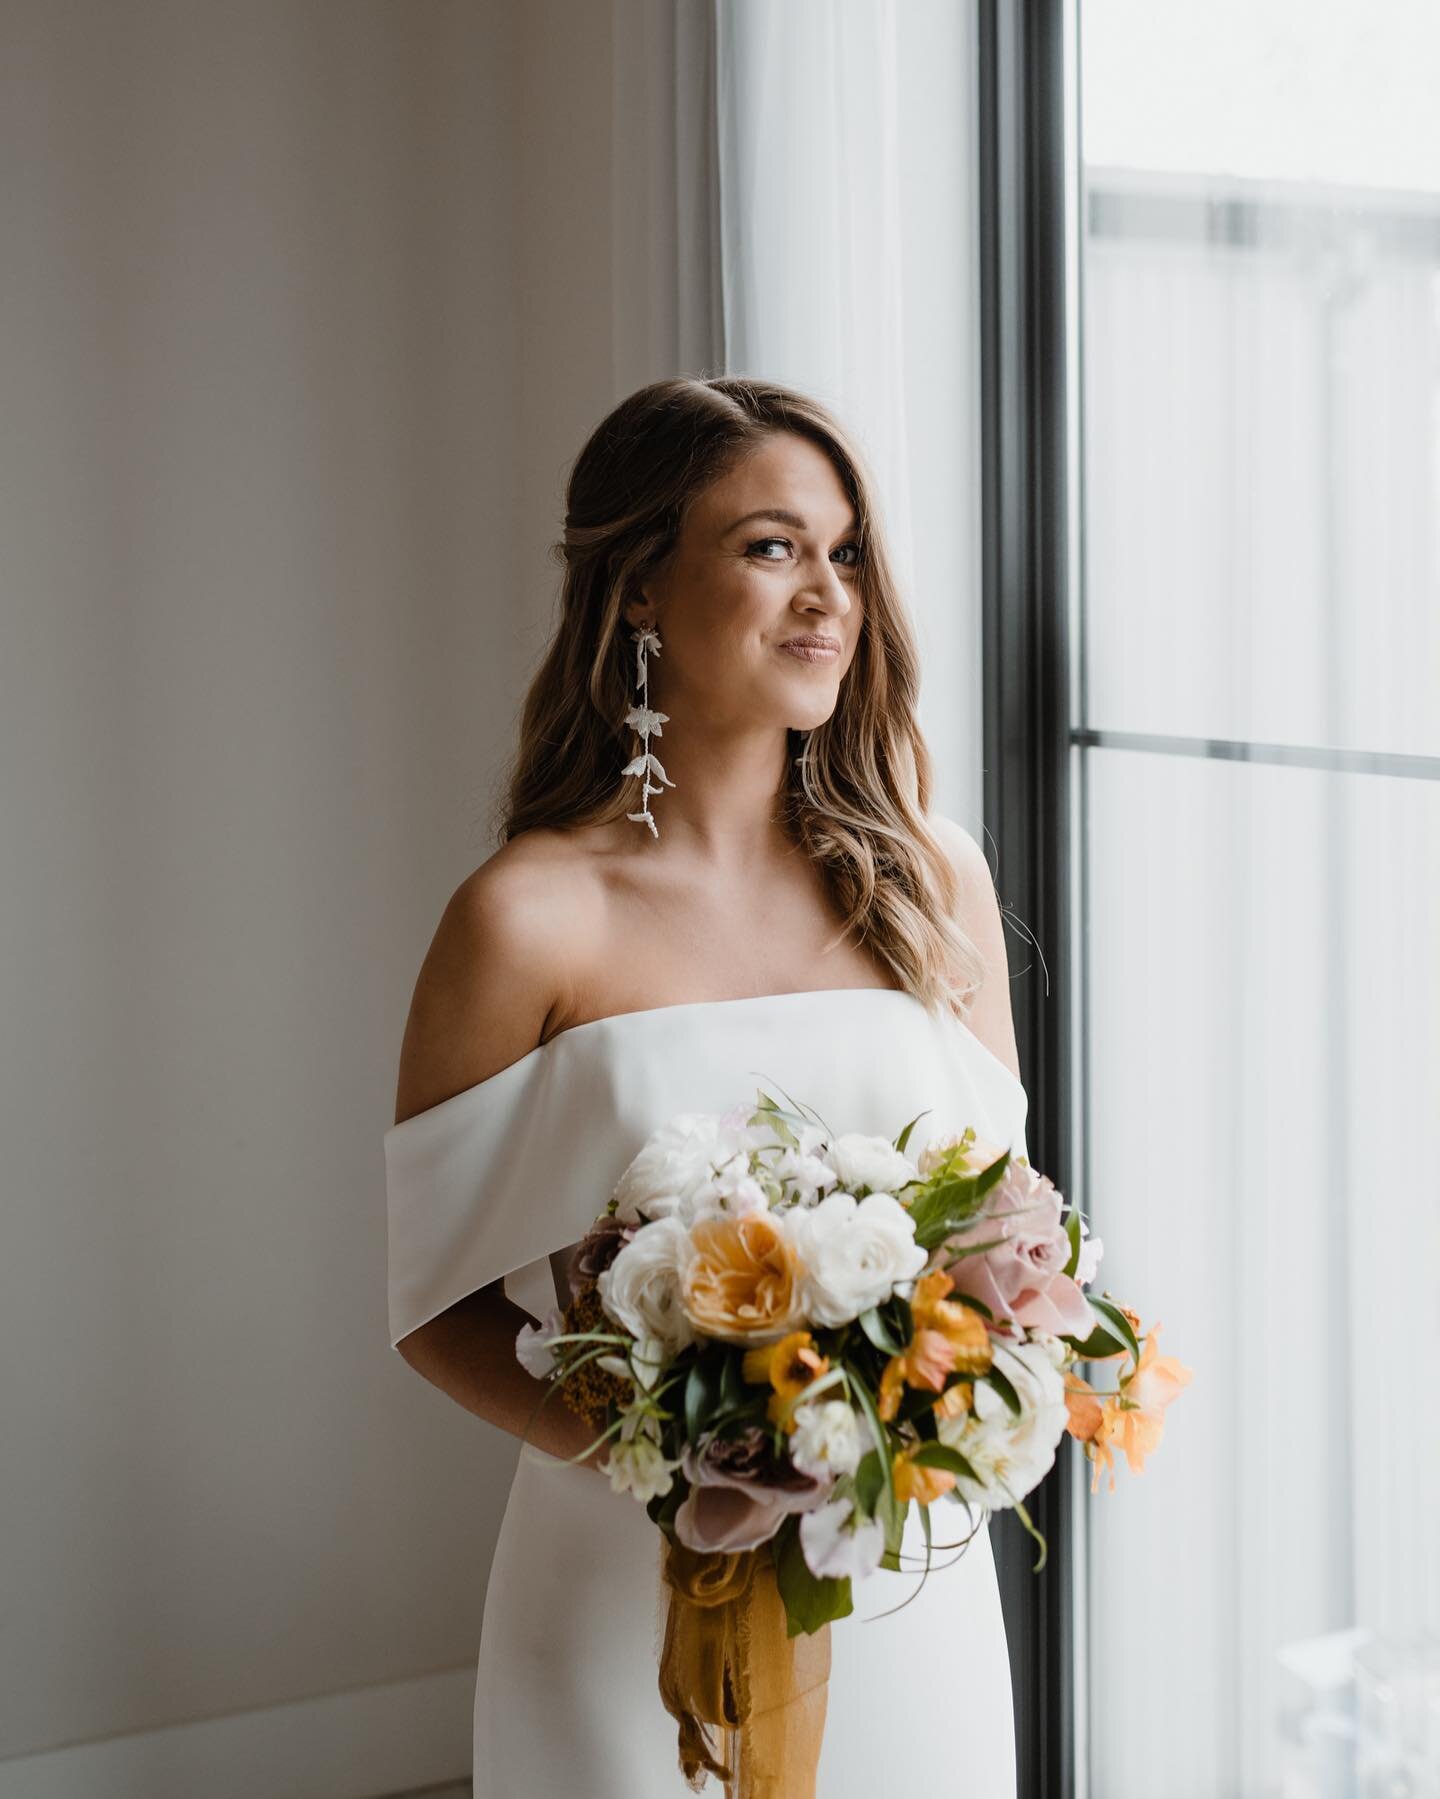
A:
x: 469, y: 1353
x: 494, y: 974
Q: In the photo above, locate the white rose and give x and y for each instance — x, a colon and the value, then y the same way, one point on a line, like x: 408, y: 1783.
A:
x: 1011, y: 1455
x: 640, y: 1290
x: 837, y: 1542
x: 853, y: 1252
x: 826, y: 1439
x: 872, y: 1162
x: 676, y: 1160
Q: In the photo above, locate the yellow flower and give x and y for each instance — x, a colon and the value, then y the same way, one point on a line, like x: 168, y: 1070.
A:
x: 743, y: 1285
x: 789, y: 1365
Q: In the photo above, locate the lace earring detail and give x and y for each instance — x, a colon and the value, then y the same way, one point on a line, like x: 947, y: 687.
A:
x: 647, y: 723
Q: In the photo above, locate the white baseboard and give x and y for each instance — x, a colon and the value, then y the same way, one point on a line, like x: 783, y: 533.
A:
x: 357, y: 1745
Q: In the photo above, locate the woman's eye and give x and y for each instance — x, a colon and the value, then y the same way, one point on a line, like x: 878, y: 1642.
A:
x: 761, y: 542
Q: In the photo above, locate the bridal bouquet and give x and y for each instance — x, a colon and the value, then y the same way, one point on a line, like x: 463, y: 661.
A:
x: 786, y: 1335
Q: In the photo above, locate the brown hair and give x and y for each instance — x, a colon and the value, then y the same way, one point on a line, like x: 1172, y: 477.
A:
x: 856, y: 801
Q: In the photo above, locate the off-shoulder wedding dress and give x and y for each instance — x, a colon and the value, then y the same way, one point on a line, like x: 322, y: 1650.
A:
x: 504, y: 1179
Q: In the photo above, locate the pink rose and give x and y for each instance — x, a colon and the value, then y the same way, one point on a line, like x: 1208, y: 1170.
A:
x: 1022, y: 1279
x: 740, y: 1493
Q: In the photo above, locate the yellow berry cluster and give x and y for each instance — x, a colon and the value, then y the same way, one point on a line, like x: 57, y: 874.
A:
x: 590, y: 1389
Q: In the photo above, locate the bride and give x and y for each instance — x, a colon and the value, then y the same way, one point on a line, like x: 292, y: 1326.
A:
x: 716, y: 858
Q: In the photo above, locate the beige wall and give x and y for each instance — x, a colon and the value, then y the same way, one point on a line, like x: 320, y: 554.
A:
x: 293, y: 358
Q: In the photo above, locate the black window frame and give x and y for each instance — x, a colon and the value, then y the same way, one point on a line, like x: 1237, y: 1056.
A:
x: 1025, y: 555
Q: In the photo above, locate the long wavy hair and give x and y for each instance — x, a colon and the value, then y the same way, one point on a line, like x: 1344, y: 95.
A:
x: 857, y: 787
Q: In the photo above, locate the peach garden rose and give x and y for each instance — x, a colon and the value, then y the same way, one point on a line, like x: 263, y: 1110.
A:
x: 743, y: 1283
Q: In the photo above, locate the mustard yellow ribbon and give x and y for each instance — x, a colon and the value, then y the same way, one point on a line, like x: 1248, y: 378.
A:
x: 735, y: 1681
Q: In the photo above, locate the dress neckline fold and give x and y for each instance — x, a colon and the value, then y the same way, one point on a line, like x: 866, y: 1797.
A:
x: 640, y: 1017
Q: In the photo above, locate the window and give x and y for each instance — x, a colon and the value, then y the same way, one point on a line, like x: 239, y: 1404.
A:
x: 1257, y: 744
x: 1211, y: 347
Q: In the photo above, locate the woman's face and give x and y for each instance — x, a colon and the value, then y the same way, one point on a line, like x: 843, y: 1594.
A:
x: 738, y: 586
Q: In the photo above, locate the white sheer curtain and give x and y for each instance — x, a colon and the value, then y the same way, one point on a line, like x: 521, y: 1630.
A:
x: 1261, y: 341
x: 795, y: 200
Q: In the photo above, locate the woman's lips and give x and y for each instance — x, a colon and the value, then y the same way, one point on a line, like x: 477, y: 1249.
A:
x: 812, y: 652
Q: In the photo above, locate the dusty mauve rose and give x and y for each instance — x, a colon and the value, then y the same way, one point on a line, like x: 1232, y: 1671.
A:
x: 740, y: 1492
x: 596, y: 1251
x: 1022, y: 1279
x: 743, y: 1283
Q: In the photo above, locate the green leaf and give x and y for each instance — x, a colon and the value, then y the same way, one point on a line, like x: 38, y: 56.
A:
x: 733, y: 1389
x: 904, y: 1137
x: 1004, y: 1387
x: 892, y: 1515
x: 702, y: 1390
x: 663, y: 1506
x: 1097, y: 1346
x: 1025, y: 1519
x: 752, y: 1412
x: 810, y: 1600
x: 869, y: 1482
x: 886, y: 1498
x: 960, y: 1250
x: 904, y: 1317
x: 952, y: 1200
x: 1114, y: 1317
x: 941, y: 1455
x: 1072, y: 1231
x: 769, y: 1112
x: 772, y: 1112
x: 879, y: 1333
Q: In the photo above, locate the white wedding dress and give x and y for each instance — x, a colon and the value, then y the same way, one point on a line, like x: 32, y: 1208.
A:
x: 503, y: 1177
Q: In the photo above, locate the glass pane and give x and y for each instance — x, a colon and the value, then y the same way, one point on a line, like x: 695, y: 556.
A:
x: 1261, y: 319
x: 1264, y: 1030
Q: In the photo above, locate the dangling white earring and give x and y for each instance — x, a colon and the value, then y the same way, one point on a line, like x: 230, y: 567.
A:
x: 648, y: 724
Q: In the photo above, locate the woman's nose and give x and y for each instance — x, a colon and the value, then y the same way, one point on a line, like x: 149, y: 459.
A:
x: 829, y: 587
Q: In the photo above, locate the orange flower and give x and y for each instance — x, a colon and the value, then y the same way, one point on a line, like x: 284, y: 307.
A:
x: 961, y: 1324
x: 1132, y: 1420
x: 955, y: 1401
x: 947, y: 1336
x: 743, y: 1285
x: 789, y: 1365
x: 1084, y: 1408
x: 892, y: 1382
x: 1156, y: 1379
x: 913, y: 1480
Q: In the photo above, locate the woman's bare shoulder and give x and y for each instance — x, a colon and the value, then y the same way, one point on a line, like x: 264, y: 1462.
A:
x: 978, y: 914
x: 499, y: 969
